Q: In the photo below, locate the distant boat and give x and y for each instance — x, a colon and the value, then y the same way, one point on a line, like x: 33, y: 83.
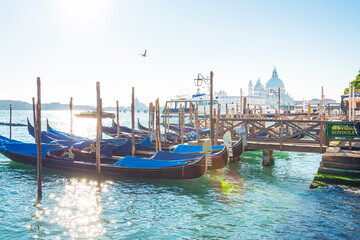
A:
x: 93, y: 114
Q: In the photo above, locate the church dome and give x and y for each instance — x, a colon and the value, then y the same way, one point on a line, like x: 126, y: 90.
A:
x: 258, y: 86
x: 275, y: 82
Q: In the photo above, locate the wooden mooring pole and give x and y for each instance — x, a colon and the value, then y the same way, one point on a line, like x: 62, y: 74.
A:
x: 10, y: 120
x: 38, y: 139
x: 34, y: 118
x: 241, y: 98
x: 101, y: 126
x: 279, y: 104
x: 98, y: 132
x: 153, y: 117
x: 217, y: 125
x: 168, y: 119
x: 197, y: 122
x: 182, y: 124
x: 158, y: 123
x: 205, y: 122
x: 211, y: 109
x: 71, y: 118
x: 150, y: 110
x: 191, y: 113
x: 117, y: 119
x: 165, y: 125
x: 133, y: 122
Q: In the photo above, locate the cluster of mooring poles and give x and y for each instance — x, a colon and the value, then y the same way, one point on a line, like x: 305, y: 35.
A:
x: 37, y: 129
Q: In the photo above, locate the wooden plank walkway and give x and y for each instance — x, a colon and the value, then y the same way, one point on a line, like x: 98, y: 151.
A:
x: 289, y: 147
x: 283, y: 134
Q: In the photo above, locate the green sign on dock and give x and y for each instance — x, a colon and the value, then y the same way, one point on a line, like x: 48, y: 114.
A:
x: 345, y: 130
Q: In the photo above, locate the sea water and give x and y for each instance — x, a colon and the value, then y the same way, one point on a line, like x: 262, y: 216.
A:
x: 265, y: 203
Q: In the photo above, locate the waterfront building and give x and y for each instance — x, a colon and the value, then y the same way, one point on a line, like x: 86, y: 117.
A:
x: 268, y: 96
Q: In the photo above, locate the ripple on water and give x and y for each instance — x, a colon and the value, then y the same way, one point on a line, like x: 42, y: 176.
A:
x: 265, y: 203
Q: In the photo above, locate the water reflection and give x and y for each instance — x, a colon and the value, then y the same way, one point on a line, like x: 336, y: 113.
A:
x: 78, y: 209
x: 227, y: 185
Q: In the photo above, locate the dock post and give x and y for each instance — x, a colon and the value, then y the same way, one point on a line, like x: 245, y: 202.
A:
x: 34, y: 118
x: 71, y: 118
x: 165, y: 125
x: 191, y: 113
x: 133, y: 121
x: 101, y: 126
x: 158, y: 131
x: 241, y: 99
x: 98, y: 132
x: 279, y: 104
x: 38, y: 139
x: 10, y: 119
x: 197, y: 122
x: 150, y: 109
x: 182, y: 124
x: 268, y: 159
x: 179, y: 116
x: 205, y: 121
x: 281, y: 134
x: 117, y: 119
x: 156, y: 127
x: 159, y: 120
x: 217, y: 124
x: 211, y: 109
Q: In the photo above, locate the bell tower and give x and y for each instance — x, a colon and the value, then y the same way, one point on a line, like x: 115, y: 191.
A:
x: 250, y: 88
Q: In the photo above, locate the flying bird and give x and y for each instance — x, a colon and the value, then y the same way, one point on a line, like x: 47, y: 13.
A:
x: 143, y: 54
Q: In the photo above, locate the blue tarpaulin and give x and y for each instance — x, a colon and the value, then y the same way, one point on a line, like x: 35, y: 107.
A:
x: 161, y: 155
x: 193, y: 149
x: 27, y: 148
x: 134, y: 162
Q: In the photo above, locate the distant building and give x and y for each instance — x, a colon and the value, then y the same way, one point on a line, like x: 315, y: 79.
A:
x: 268, y: 96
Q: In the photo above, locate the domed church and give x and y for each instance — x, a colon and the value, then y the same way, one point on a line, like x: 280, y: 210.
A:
x: 270, y: 93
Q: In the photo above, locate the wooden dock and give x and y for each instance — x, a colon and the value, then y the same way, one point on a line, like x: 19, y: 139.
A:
x: 340, y: 167
x: 340, y: 163
x: 288, y: 147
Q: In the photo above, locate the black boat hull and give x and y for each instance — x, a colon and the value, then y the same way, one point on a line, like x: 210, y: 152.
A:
x: 193, y: 169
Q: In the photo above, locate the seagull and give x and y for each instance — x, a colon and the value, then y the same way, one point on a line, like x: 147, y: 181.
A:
x: 143, y: 54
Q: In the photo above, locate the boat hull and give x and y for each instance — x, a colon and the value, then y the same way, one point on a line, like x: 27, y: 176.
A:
x: 193, y: 169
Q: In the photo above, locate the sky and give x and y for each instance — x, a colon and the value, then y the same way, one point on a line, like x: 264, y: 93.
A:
x: 72, y: 44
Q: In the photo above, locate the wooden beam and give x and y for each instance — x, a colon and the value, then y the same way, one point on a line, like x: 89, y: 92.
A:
x: 133, y: 122
x: 217, y: 125
x: 197, y: 122
x: 34, y: 119
x: 211, y: 108
x: 71, y: 118
x: 38, y: 142
x: 117, y: 119
x: 10, y: 122
x: 98, y: 132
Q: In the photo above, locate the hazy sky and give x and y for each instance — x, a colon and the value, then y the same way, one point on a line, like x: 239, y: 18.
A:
x: 72, y: 44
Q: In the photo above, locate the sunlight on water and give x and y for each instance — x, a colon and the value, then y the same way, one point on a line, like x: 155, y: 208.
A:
x: 243, y: 201
x: 227, y: 185
x: 78, y: 209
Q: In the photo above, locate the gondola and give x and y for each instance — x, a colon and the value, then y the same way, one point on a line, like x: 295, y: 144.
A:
x: 177, y: 129
x: 123, y: 130
x: 169, y: 135
x: 217, y: 160
x: 181, y: 168
x: 235, y: 149
x: 109, y: 147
